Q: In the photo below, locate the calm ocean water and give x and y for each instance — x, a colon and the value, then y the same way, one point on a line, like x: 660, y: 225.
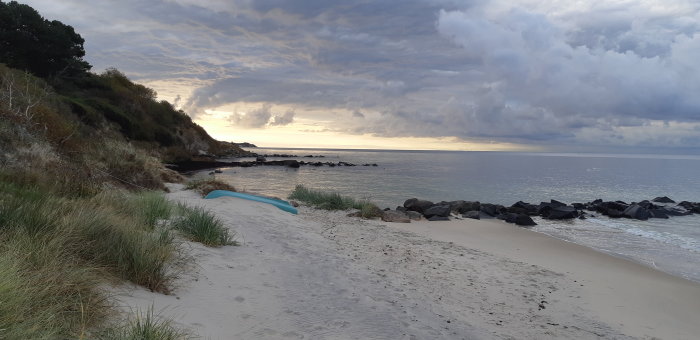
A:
x: 498, y: 177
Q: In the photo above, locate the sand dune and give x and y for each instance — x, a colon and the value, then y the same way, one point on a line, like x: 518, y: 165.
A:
x: 322, y: 275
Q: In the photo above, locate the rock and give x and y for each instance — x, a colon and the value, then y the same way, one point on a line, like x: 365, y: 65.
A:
x: 455, y: 206
x: 558, y: 212
x: 492, y: 210
x: 291, y: 163
x: 217, y: 171
x: 460, y: 206
x: 437, y: 210
x: 637, y: 212
x: 415, y: 204
x: 470, y: 206
x: 521, y: 207
x: 414, y: 215
x: 663, y: 199
x: 556, y: 203
x: 658, y: 213
x: 355, y: 214
x: 524, y: 220
x: 472, y: 214
x: 614, y: 213
x: 508, y: 217
x: 401, y: 209
x: 438, y: 218
x: 516, y: 210
x: 578, y: 206
x: 611, y: 209
x: 294, y: 203
x: 260, y: 159
x: 395, y: 216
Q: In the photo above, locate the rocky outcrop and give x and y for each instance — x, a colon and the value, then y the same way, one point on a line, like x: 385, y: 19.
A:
x: 663, y: 199
x: 437, y: 210
x: 395, y: 216
x: 472, y: 214
x: 415, y: 204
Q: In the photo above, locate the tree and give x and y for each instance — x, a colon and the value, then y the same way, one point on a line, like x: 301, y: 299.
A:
x: 45, y: 48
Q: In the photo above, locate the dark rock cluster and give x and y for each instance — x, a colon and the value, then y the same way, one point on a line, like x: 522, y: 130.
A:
x: 521, y: 213
x: 190, y: 166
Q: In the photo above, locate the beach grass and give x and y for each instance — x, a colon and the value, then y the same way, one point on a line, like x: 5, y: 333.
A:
x: 333, y: 201
x: 56, y: 252
x: 145, y: 326
x: 205, y: 186
x: 202, y: 226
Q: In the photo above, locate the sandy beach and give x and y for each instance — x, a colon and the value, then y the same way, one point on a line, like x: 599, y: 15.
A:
x: 323, y: 275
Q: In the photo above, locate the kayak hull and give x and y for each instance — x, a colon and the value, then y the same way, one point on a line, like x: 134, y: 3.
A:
x: 284, y: 205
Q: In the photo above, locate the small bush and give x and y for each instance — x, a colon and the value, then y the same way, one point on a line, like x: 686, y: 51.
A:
x: 145, y: 326
x: 205, y: 186
x: 202, y: 226
x: 334, y: 201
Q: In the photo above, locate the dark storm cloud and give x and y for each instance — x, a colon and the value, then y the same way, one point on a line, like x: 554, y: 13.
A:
x: 529, y: 71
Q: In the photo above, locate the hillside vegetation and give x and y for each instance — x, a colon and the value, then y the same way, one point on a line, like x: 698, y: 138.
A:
x: 81, y: 166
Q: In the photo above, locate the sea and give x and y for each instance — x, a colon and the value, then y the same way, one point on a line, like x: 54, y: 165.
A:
x: 671, y: 245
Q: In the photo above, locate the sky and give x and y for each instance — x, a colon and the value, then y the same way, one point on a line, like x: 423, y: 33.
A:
x: 520, y: 75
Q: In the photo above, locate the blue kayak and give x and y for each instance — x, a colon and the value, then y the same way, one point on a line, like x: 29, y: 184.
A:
x: 284, y: 205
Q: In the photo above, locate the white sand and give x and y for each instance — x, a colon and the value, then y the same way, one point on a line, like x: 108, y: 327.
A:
x: 321, y: 275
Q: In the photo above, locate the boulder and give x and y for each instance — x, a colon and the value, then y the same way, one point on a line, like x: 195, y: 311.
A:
x: 524, y: 220
x: 637, y: 212
x: 492, y: 210
x: 415, y: 204
x: 454, y: 205
x: 438, y: 218
x: 469, y: 206
x: 402, y: 209
x: 508, y: 217
x: 613, y: 213
x: 663, y: 199
x: 612, y: 209
x: 260, y: 159
x: 294, y: 204
x: 292, y: 163
x: 659, y: 213
x: 437, y: 210
x: 521, y: 207
x: 558, y: 213
x: 395, y: 216
x: 414, y: 215
x: 472, y: 214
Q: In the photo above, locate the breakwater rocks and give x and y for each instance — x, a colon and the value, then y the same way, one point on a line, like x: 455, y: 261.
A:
x: 190, y: 166
x: 521, y: 212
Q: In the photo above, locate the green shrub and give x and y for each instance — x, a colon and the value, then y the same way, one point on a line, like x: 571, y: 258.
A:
x: 205, y: 186
x: 202, y: 226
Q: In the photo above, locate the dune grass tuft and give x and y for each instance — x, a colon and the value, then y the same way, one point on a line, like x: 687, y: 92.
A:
x: 145, y: 326
x: 333, y: 201
x: 202, y: 226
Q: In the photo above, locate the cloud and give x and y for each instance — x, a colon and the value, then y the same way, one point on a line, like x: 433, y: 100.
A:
x: 542, y: 72
x: 284, y: 119
x: 261, y: 118
x: 255, y: 119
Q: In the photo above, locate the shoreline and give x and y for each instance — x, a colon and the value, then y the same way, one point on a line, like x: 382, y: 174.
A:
x: 613, y: 283
x: 325, y: 275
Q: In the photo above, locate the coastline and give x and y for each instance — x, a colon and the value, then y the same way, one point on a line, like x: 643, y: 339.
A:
x: 324, y: 275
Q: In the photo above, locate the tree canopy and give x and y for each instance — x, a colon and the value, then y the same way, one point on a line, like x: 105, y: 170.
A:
x: 45, y: 48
